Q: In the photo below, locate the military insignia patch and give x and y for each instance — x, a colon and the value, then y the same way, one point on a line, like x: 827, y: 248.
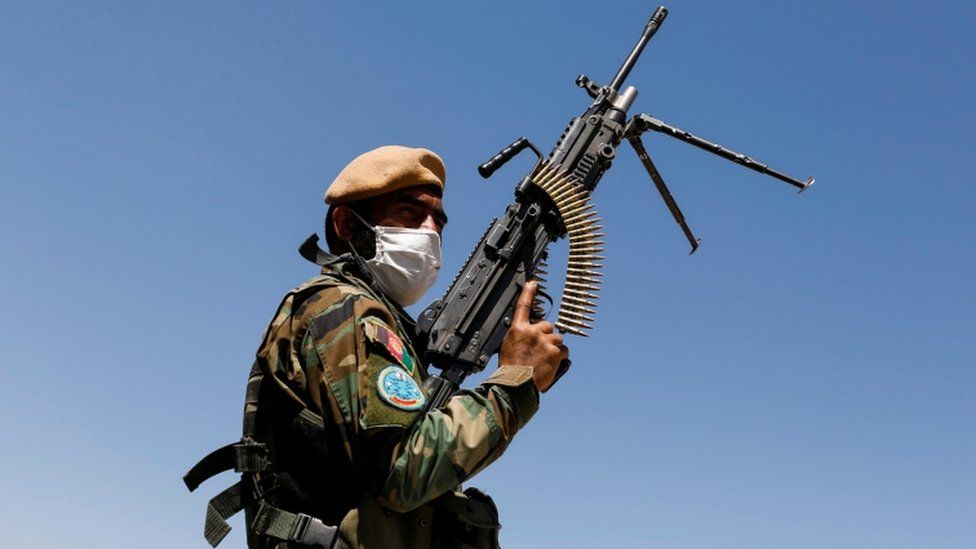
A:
x: 389, y: 340
x: 397, y: 388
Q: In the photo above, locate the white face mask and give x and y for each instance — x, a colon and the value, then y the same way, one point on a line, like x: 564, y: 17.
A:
x: 406, y: 262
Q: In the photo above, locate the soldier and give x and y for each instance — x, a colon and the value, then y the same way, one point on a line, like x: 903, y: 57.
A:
x: 335, y: 432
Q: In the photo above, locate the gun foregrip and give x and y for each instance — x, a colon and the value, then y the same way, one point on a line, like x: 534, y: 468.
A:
x: 501, y: 158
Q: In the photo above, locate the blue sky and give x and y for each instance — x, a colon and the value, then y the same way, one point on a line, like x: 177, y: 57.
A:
x: 805, y: 380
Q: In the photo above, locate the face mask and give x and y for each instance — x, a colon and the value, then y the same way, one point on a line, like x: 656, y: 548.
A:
x: 406, y: 262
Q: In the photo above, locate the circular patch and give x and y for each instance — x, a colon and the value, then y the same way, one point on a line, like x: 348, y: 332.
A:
x: 397, y: 388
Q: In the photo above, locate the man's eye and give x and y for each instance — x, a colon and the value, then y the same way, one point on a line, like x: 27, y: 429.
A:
x: 408, y: 215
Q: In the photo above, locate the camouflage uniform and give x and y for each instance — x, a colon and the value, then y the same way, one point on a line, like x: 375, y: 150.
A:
x: 387, y: 475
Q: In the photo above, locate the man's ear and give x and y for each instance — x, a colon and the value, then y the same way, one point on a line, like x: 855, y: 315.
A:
x: 342, y: 222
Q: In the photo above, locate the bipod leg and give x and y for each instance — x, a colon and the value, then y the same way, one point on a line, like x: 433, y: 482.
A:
x: 643, y: 122
x: 635, y: 141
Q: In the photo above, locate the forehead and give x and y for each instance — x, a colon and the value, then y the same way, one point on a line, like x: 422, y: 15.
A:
x: 429, y: 196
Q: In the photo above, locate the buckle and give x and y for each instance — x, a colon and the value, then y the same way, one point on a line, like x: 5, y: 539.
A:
x: 312, y: 532
x: 250, y: 456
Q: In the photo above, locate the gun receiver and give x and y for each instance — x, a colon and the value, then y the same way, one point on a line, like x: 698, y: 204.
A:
x: 463, y: 330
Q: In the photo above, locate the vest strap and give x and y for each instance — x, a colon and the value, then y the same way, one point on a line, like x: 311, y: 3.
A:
x: 219, y: 509
x: 304, y: 530
x: 246, y: 456
x: 230, y: 502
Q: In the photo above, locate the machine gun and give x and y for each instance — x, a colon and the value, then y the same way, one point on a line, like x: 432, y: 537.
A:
x: 465, y: 328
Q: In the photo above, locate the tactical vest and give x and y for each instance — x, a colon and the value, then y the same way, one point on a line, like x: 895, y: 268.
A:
x: 271, y: 459
x: 255, y: 457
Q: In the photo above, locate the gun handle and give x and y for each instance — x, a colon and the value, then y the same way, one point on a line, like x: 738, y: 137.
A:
x: 502, y: 157
x: 441, y: 388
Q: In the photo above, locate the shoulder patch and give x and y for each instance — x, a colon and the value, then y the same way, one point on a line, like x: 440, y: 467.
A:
x: 383, y: 336
x: 398, y: 389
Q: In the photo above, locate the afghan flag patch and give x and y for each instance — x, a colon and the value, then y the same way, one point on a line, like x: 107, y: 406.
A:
x: 383, y: 336
x: 397, y: 388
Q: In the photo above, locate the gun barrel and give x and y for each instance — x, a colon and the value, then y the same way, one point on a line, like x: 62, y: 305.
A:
x: 652, y: 25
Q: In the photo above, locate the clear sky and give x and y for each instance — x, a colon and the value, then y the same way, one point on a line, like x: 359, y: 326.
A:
x: 805, y: 380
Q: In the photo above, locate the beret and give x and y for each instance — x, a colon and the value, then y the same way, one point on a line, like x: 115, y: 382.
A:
x: 384, y: 170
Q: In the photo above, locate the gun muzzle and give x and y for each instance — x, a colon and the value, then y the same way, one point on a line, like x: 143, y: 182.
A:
x: 649, y: 30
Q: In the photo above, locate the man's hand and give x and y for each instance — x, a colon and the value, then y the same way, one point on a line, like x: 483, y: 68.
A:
x: 532, y: 344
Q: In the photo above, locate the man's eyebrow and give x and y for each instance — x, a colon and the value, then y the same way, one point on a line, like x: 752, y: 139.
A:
x: 437, y: 212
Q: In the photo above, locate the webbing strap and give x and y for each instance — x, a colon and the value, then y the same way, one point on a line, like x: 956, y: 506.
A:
x: 255, y: 382
x: 246, y: 456
x: 310, y: 250
x: 214, y: 463
x: 300, y: 528
x: 311, y: 418
x: 221, y: 508
x: 232, y: 500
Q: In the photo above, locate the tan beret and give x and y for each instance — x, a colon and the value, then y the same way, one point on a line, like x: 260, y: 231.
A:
x: 384, y: 170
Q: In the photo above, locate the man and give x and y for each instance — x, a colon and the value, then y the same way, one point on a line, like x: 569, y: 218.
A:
x: 336, y: 393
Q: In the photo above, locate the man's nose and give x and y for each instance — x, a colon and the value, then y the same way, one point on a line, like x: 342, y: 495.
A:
x: 430, y: 223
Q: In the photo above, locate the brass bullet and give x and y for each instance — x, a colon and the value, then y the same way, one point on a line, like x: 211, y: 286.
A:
x: 570, y: 330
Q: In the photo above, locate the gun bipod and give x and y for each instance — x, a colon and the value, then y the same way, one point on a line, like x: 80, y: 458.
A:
x: 641, y: 123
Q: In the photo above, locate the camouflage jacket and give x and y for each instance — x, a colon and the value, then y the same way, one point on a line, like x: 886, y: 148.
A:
x: 383, y: 470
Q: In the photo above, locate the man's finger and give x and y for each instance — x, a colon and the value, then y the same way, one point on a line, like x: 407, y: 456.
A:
x: 524, y: 304
x: 563, y: 352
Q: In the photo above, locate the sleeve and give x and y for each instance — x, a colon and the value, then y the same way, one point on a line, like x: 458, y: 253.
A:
x: 358, y: 368
x: 447, y: 446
